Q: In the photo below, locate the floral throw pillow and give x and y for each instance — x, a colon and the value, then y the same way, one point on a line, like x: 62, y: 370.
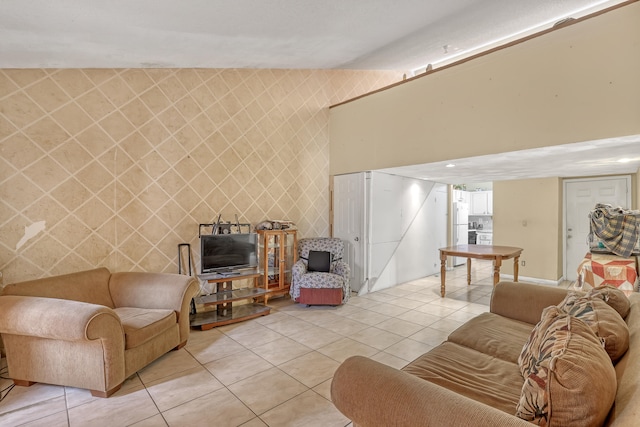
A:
x: 603, y: 320
x: 572, y: 381
x: 614, y: 297
x: 549, y: 342
x: 531, y: 349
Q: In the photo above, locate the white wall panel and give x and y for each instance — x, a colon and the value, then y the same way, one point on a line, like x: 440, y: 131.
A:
x: 408, y: 225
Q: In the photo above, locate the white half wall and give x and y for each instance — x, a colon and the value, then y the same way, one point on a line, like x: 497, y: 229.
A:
x: 577, y: 83
x: 407, y: 226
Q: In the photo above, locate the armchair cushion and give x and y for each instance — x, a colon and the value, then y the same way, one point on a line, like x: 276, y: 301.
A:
x: 142, y: 324
x: 319, y: 280
x: 319, y: 261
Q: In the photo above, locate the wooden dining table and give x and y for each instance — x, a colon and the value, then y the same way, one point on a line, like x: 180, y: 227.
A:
x: 489, y: 252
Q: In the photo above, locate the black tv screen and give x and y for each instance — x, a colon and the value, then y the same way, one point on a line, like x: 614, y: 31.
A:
x: 223, y: 252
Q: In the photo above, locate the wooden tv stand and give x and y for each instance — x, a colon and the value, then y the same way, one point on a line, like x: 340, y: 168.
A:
x: 223, y: 298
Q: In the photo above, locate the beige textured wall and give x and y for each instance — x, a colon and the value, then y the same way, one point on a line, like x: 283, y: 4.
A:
x: 526, y: 214
x: 574, y: 84
x: 635, y: 200
x: 116, y: 167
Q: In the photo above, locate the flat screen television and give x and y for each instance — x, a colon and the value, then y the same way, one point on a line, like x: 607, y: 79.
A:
x: 228, y: 252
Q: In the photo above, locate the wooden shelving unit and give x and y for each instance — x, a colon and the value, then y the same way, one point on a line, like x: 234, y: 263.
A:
x: 277, y: 252
x: 225, y: 312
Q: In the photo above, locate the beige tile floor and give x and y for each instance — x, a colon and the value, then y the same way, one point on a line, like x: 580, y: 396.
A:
x: 272, y: 371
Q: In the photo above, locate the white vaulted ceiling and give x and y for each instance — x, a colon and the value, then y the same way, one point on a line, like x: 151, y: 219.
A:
x: 330, y: 34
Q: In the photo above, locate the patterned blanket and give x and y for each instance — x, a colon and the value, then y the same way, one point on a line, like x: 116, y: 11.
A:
x: 605, y: 269
x: 616, y: 227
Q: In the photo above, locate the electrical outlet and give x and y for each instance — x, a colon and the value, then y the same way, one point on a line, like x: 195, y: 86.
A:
x: 523, y: 263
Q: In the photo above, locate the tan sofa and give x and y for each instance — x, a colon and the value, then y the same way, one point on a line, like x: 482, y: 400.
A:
x: 93, y: 329
x: 474, y: 377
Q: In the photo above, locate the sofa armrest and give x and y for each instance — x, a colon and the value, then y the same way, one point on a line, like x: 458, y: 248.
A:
x: 58, y: 319
x: 524, y: 301
x: 372, y: 394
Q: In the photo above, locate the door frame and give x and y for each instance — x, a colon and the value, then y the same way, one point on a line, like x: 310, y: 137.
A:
x: 364, y: 232
x: 564, y: 209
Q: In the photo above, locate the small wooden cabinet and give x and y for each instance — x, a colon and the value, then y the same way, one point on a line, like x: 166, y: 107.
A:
x: 277, y: 252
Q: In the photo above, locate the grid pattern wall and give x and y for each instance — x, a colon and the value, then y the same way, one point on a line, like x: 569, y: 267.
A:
x: 116, y: 167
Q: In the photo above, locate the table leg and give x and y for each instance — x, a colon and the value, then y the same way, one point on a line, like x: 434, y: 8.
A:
x: 515, y: 268
x: 497, y: 263
x: 443, y: 272
x: 468, y: 271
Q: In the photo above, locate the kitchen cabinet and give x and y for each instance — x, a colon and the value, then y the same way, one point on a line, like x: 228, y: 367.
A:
x: 481, y: 203
x: 460, y: 196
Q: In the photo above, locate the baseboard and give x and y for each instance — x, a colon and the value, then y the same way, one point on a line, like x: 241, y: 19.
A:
x: 536, y: 280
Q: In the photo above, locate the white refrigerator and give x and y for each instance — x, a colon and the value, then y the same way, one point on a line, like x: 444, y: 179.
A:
x: 460, y: 228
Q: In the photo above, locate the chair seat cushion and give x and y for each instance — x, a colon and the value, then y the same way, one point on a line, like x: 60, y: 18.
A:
x: 142, y: 324
x: 318, y: 280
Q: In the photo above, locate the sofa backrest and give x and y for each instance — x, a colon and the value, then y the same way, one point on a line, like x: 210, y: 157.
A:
x: 524, y: 301
x: 90, y: 286
x: 626, y: 408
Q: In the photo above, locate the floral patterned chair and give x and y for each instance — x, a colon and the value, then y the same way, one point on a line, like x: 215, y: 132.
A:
x: 319, y: 287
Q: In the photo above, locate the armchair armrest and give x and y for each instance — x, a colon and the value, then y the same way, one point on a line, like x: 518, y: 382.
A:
x: 372, y: 394
x: 524, y: 301
x: 59, y: 319
x: 298, y: 269
x: 62, y: 341
x: 341, y: 268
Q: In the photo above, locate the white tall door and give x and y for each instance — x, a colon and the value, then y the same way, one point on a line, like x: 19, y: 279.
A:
x: 581, y: 196
x: 349, y: 223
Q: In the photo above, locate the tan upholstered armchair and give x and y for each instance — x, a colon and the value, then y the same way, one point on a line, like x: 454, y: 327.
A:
x: 93, y: 329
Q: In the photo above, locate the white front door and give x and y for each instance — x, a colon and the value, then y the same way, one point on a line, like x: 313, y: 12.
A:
x: 581, y: 196
x: 349, y: 223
